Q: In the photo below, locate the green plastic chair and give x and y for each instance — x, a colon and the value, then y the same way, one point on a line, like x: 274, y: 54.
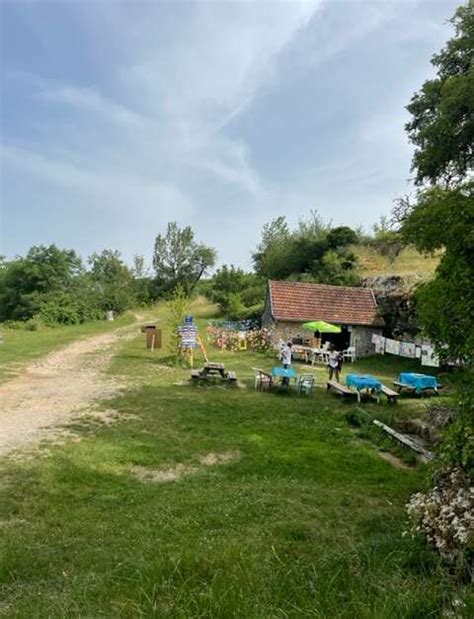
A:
x: 305, y: 385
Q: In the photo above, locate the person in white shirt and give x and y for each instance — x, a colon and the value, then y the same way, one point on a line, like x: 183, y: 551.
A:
x: 334, y: 364
x: 286, y: 355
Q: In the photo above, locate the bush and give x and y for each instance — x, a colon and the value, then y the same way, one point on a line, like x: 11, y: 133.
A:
x: 445, y: 516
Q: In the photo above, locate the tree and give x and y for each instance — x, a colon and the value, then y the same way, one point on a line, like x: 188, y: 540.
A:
x: 341, y: 237
x: 112, y: 280
x: 179, y: 260
x: 44, y: 270
x: 442, y: 124
x: 442, y: 130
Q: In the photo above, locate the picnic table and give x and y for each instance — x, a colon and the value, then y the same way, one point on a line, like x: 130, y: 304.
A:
x: 284, y: 373
x: 211, y: 371
x: 416, y: 382
x: 364, y: 382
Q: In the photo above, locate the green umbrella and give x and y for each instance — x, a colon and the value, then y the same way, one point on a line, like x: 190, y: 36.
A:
x: 321, y: 326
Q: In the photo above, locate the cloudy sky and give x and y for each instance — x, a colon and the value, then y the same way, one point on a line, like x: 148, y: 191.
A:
x: 119, y: 116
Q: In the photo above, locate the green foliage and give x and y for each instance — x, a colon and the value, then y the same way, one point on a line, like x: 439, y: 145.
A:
x: 112, y: 280
x: 178, y: 307
x: 179, y: 260
x: 341, y: 237
x: 23, y: 281
x: 313, y: 251
x: 444, y: 219
x: 442, y: 124
x: 67, y: 308
x: 442, y: 129
x: 236, y: 291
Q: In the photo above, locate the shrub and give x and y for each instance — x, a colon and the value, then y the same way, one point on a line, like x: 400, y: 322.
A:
x: 445, y: 516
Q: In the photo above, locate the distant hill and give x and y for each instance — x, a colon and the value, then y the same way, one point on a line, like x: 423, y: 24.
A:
x: 410, y: 264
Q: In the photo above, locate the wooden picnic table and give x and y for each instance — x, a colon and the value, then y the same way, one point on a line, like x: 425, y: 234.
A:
x: 211, y: 371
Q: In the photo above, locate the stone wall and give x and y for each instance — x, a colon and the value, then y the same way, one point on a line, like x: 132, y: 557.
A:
x: 361, y: 339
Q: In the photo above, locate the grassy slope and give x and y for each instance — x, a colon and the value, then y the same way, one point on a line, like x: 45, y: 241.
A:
x: 308, y: 522
x: 408, y: 263
x: 22, y: 346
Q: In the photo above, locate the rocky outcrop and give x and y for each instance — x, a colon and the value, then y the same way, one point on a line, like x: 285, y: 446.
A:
x: 395, y: 299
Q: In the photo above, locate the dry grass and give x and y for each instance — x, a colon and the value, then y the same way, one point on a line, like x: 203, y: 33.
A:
x: 410, y: 263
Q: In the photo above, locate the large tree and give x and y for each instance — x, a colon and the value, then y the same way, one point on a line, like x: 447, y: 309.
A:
x: 442, y: 218
x: 180, y: 260
x: 26, y: 280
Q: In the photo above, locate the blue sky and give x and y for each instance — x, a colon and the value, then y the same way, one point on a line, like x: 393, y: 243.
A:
x: 119, y: 116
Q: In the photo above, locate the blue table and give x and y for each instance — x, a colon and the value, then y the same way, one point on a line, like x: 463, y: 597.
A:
x: 279, y: 372
x: 364, y: 382
x: 284, y: 374
x: 417, y: 382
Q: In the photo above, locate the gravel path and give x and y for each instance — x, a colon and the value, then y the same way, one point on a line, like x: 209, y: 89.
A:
x: 55, y: 389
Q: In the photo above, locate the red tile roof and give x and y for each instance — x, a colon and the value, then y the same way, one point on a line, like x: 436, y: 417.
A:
x: 300, y: 302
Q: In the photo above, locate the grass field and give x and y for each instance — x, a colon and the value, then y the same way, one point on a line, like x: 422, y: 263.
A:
x: 217, y: 502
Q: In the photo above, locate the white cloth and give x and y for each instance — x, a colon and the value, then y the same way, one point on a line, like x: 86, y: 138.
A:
x: 407, y: 349
x: 333, y: 359
x: 379, y: 342
x: 429, y: 356
x: 392, y: 346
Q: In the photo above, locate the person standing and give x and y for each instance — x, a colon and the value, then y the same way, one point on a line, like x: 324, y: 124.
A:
x: 286, y: 362
x: 286, y: 355
x: 334, y: 363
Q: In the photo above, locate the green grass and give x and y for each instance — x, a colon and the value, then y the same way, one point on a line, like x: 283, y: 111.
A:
x: 21, y: 346
x: 306, y: 522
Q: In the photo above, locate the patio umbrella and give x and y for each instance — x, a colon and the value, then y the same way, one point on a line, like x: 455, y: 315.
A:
x: 321, y: 326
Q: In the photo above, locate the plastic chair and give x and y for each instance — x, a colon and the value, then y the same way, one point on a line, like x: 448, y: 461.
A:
x: 305, y: 384
x: 349, y: 353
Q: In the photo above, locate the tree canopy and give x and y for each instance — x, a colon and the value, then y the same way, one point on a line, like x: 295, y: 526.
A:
x: 442, y: 129
x: 442, y: 123
x: 179, y: 260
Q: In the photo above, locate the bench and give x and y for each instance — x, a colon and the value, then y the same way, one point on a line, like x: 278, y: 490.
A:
x: 341, y: 389
x: 232, y: 377
x: 412, y: 389
x: 196, y: 374
x: 391, y: 394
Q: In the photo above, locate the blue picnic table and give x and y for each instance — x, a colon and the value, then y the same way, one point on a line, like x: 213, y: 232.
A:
x: 364, y: 382
x: 417, y: 382
x: 284, y: 373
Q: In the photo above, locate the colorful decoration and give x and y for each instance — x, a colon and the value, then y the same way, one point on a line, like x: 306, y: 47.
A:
x: 255, y: 339
x: 190, y: 340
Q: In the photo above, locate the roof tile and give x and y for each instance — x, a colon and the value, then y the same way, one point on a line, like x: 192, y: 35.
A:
x: 300, y: 301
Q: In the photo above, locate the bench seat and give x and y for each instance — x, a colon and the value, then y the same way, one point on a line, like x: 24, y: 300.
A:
x: 340, y: 388
x: 390, y: 393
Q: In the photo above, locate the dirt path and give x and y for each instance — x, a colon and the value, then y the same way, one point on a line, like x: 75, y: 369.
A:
x: 53, y: 390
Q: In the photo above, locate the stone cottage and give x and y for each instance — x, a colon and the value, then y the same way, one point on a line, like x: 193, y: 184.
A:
x: 289, y: 304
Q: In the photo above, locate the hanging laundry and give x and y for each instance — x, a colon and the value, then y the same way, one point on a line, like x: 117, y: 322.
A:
x: 392, y: 346
x: 429, y: 356
x: 407, y: 349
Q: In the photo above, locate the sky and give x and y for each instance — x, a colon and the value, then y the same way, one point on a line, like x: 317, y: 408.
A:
x: 120, y: 116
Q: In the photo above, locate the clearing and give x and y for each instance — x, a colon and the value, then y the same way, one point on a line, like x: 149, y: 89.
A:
x: 208, y: 501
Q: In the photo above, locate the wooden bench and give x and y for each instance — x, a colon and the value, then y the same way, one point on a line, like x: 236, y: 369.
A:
x: 232, y: 377
x: 341, y: 389
x: 196, y: 374
x: 411, y: 389
x: 391, y: 394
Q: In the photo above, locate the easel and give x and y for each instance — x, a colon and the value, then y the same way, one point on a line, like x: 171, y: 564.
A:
x: 190, y: 340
